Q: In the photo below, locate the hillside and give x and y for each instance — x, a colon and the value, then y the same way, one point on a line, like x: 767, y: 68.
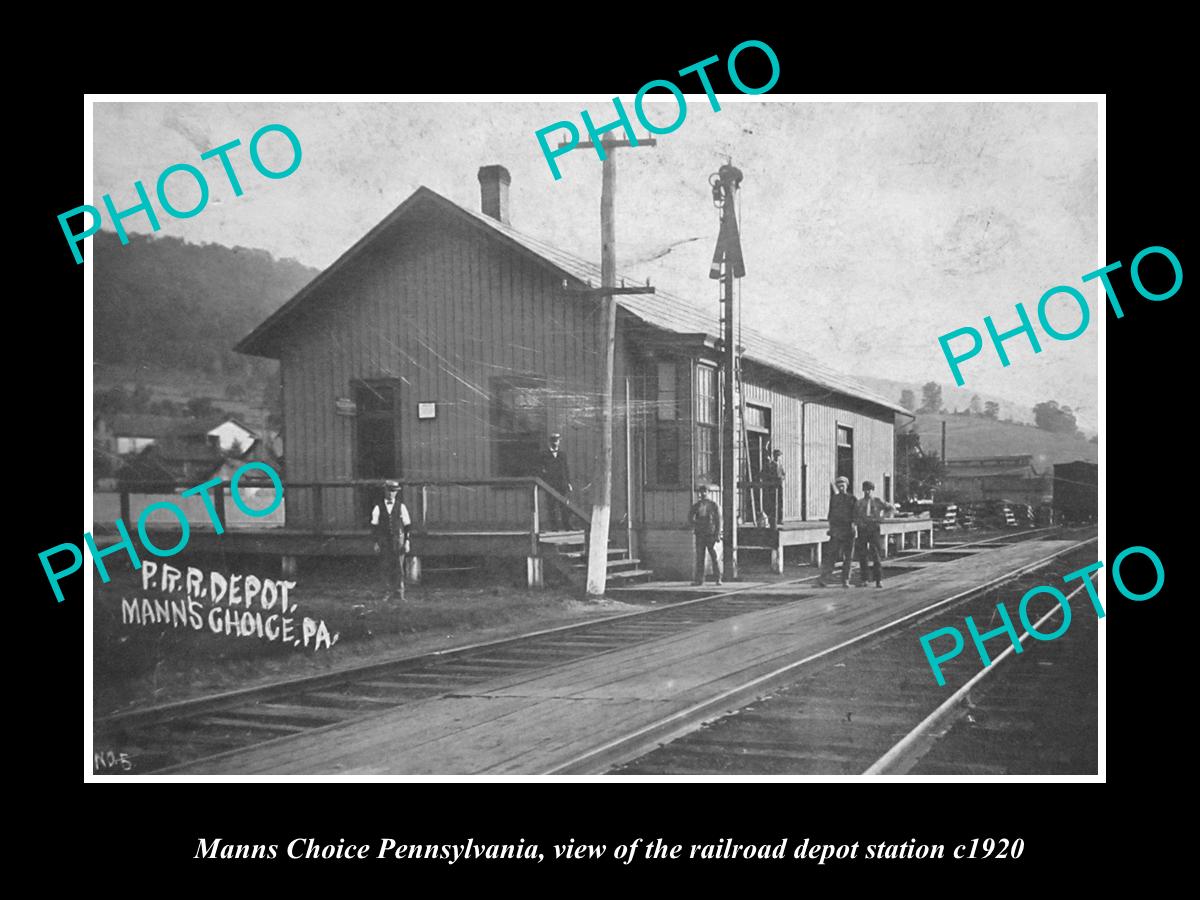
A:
x: 971, y: 436
x: 953, y: 397
x: 958, y: 399
x: 164, y: 303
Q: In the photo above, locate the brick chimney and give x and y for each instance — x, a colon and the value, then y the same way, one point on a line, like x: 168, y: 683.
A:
x: 493, y: 192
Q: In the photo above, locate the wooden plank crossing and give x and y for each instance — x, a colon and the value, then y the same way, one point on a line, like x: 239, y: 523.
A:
x: 535, y: 721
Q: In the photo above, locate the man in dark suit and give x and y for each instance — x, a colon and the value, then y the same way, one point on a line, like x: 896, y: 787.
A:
x: 552, y: 469
x: 841, y: 532
x: 391, y: 524
x: 772, y: 492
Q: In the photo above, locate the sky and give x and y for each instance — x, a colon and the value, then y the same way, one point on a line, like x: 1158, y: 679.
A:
x: 868, y: 229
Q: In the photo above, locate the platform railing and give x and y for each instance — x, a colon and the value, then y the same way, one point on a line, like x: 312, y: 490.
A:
x: 420, y: 495
x: 194, y: 507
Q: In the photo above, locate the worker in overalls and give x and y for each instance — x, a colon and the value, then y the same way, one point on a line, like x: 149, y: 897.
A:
x: 705, y: 519
x: 840, y: 546
x: 391, y: 523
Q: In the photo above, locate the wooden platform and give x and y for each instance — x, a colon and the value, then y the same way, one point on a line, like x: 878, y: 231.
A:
x: 537, y: 722
x: 895, y: 533
x: 289, y: 544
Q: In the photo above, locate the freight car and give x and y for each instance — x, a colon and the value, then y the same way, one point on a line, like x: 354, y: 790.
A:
x: 1075, y: 492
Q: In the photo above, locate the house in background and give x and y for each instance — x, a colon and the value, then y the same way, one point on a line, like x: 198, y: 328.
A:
x: 231, y: 433
x: 259, y: 450
x: 126, y: 433
x: 170, y: 463
x: 446, y: 345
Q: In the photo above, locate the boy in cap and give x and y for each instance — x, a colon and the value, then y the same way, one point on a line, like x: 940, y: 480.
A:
x: 841, y: 532
x: 391, y: 523
x: 705, y: 519
x: 867, y: 514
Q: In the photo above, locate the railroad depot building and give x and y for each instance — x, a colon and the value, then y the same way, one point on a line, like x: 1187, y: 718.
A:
x: 444, y: 347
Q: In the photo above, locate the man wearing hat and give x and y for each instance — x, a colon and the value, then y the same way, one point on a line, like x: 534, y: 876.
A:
x: 867, y: 514
x: 841, y: 532
x: 705, y: 519
x: 772, y: 495
x: 391, y: 523
x: 552, y: 469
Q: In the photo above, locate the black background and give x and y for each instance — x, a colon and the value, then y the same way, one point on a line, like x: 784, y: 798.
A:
x: 118, y: 829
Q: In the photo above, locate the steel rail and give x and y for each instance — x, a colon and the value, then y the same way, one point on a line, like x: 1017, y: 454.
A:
x: 909, y: 750
x: 154, y: 715
x: 629, y: 746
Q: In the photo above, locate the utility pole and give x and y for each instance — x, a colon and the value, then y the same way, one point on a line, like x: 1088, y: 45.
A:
x: 943, y: 442
x: 727, y: 264
x: 597, y: 570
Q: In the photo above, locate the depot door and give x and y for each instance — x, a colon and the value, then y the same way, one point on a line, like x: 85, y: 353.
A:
x: 377, y: 436
x: 845, y: 454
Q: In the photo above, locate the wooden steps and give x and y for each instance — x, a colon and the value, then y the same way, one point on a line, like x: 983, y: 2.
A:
x: 565, y: 552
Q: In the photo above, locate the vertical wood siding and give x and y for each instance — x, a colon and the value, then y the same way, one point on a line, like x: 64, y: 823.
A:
x: 444, y: 309
x: 873, y: 447
x: 873, y: 450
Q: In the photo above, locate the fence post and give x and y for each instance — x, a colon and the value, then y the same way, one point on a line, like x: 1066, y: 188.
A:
x: 319, y: 507
x: 537, y: 528
x: 125, y: 506
x: 219, y: 496
x: 424, y: 506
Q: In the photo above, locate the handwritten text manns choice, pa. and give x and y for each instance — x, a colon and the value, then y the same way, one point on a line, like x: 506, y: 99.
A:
x: 239, y: 605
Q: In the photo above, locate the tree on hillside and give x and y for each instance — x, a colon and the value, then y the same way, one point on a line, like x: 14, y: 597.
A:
x: 166, y: 408
x: 163, y: 302
x: 907, y: 448
x: 917, y: 473
x: 991, y: 410
x: 976, y: 406
x: 200, y: 407
x: 1049, y: 416
x: 272, y: 399
x: 1094, y: 439
x: 926, y: 474
x: 141, y: 399
x: 110, y: 402
x: 102, y: 463
x: 931, y: 398
x: 908, y: 400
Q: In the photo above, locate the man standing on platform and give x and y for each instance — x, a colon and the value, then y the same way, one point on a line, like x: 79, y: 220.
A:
x: 552, y: 469
x: 772, y: 477
x: 705, y: 519
x: 868, y: 513
x: 391, y: 523
x: 841, y: 532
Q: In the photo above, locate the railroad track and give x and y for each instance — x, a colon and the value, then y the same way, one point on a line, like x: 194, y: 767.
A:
x: 1036, y: 718
x: 874, y: 707
x: 160, y: 739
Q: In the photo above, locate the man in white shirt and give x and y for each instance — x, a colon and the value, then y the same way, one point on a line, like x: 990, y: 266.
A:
x: 391, y: 523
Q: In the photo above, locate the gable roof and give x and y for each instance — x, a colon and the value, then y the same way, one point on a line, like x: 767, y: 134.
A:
x: 179, y: 450
x: 992, y: 466
x: 662, y: 309
x: 226, y: 420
